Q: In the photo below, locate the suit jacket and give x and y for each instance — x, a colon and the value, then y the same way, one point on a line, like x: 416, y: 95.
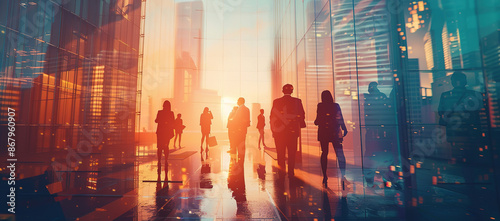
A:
x: 230, y: 123
x: 460, y: 111
x: 329, y: 120
x: 165, y: 120
x: 241, y: 119
x: 287, y: 116
x: 261, y: 121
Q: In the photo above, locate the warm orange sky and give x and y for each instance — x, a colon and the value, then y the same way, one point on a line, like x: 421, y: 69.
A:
x: 236, y: 55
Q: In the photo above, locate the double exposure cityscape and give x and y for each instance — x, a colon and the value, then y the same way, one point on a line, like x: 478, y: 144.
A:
x: 250, y: 110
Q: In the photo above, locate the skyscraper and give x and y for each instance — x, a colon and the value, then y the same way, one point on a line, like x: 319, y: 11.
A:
x: 71, y: 71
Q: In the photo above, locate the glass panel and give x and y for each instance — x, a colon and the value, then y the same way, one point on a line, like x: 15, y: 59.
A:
x: 449, y: 150
x: 442, y: 35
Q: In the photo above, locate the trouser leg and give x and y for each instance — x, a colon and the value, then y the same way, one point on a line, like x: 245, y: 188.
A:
x: 324, y: 156
x: 279, y: 141
x: 159, y: 153
x: 339, y: 151
x: 292, y: 152
x: 166, y: 161
x: 241, y: 146
x: 180, y: 137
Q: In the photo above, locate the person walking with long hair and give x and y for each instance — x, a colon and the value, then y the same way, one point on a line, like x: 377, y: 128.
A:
x: 179, y: 127
x: 164, y: 133
x: 205, y: 122
x: 330, y: 121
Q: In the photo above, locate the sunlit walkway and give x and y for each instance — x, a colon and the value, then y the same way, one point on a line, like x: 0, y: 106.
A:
x: 214, y: 187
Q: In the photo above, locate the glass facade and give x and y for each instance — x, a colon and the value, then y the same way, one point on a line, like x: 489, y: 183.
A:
x: 417, y: 81
x: 417, y: 84
x: 70, y: 71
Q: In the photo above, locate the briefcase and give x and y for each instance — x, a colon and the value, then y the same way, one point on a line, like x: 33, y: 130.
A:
x: 212, y: 141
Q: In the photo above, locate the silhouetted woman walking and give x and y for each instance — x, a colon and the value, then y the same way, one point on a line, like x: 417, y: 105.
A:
x: 205, y: 122
x: 164, y: 132
x: 179, y: 127
x: 330, y: 120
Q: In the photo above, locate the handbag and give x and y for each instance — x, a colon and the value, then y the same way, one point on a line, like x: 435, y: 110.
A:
x: 212, y: 141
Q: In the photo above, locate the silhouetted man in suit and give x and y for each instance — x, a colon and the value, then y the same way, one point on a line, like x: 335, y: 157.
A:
x: 241, y: 121
x: 231, y: 131
x: 287, y: 117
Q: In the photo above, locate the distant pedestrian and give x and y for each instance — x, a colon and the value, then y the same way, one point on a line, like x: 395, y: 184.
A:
x: 205, y: 122
x: 261, y: 123
x: 179, y: 128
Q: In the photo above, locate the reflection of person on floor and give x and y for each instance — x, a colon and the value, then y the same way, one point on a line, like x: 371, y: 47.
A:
x: 231, y: 130
x: 261, y: 123
x: 291, y: 200
x: 205, y: 181
x: 179, y: 127
x: 459, y: 112
x: 377, y: 146
x: 330, y: 122
x: 241, y: 121
x: 164, y: 132
x: 287, y: 118
x: 205, y: 122
x: 236, y: 183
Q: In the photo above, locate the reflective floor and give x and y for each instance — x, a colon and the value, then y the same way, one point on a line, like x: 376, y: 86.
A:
x: 215, y: 186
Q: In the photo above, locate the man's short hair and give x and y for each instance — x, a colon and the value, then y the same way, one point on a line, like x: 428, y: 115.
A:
x: 287, y: 89
x: 242, y: 100
x: 459, y: 76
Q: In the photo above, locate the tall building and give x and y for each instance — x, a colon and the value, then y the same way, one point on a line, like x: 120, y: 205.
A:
x: 492, y: 68
x: 414, y: 91
x: 189, y: 97
x: 70, y: 69
x: 410, y: 49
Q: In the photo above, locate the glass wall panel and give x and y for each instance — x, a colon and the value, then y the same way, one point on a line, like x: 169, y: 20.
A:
x: 417, y: 84
x: 66, y: 75
x: 489, y: 34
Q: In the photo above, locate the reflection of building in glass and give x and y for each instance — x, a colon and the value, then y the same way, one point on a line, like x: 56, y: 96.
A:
x: 429, y: 56
x: 414, y: 91
x: 111, y: 96
x: 367, y: 52
x: 189, y: 98
x: 396, y: 133
x: 491, y: 45
x: 73, y: 78
x: 448, y: 38
x: 344, y: 58
x: 188, y: 44
x: 419, y: 14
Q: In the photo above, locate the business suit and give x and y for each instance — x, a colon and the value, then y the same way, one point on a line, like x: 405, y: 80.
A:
x: 287, y: 118
x: 231, y: 131
x: 261, y: 123
x: 241, y: 122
